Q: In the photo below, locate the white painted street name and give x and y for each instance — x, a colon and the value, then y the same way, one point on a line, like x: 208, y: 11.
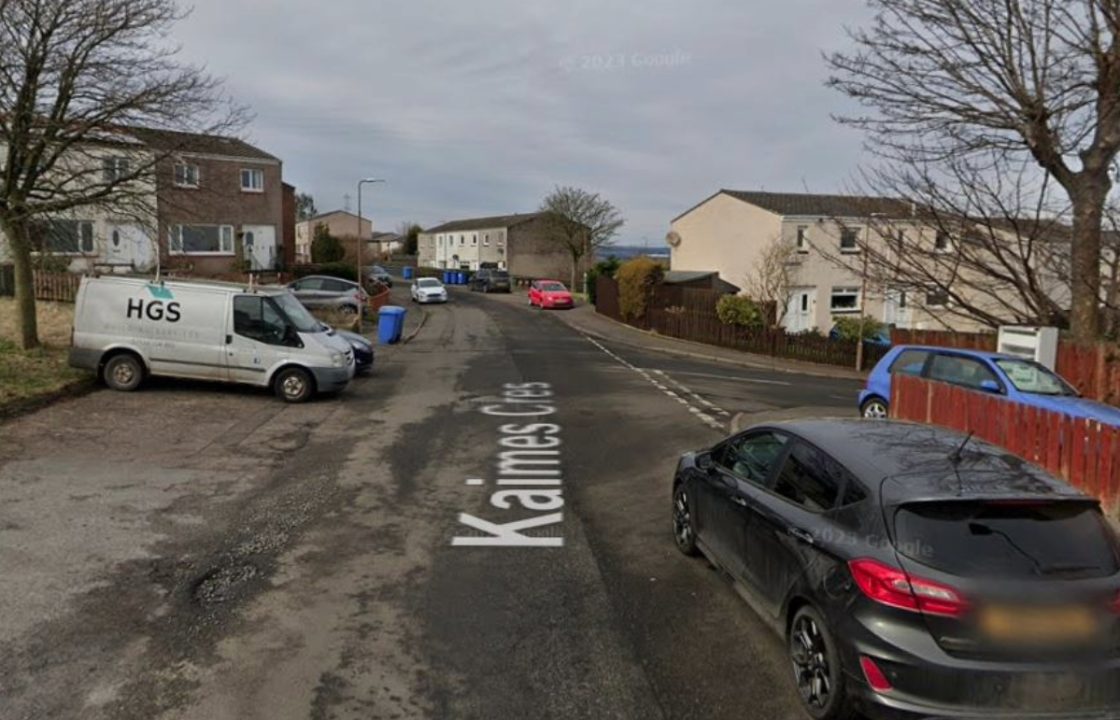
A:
x: 529, y: 474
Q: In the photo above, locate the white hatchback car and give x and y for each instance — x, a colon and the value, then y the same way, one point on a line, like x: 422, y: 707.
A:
x: 428, y: 290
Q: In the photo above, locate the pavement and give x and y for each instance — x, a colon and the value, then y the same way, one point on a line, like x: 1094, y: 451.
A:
x: 480, y: 529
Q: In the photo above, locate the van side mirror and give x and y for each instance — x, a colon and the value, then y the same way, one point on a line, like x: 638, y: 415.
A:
x: 990, y: 386
x: 291, y: 337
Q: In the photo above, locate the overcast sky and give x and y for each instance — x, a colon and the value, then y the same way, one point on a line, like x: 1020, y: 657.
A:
x: 482, y: 107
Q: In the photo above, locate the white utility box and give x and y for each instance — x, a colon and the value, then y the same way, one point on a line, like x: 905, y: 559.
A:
x: 1033, y: 343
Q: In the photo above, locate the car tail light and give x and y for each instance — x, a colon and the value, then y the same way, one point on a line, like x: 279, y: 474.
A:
x: 875, y: 677
x: 1114, y: 606
x: 891, y: 586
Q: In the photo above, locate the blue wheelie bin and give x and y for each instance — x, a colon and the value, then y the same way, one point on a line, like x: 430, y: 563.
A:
x: 407, y: 272
x: 390, y: 324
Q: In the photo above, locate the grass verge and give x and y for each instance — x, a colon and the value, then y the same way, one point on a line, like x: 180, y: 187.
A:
x: 29, y: 378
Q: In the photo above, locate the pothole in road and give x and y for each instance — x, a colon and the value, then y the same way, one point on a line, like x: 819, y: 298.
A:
x: 220, y: 584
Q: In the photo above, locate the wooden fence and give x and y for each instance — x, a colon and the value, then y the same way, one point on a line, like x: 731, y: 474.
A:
x: 1086, y: 453
x: 58, y: 287
x: 942, y: 338
x: 689, y: 314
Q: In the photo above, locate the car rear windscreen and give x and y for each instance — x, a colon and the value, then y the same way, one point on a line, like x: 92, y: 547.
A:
x: 1010, y: 539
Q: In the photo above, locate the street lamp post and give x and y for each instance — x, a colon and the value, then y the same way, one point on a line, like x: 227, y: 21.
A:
x: 361, y: 241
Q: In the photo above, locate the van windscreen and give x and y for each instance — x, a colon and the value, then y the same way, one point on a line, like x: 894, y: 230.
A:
x: 297, y: 314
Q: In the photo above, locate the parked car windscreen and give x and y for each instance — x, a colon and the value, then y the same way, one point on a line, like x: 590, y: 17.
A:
x: 429, y: 283
x: 297, y: 314
x: 552, y: 287
x: 1030, y: 377
x: 499, y: 274
x: 1008, y: 539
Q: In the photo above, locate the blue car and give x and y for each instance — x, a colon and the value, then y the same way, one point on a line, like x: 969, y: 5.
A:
x: 1022, y: 381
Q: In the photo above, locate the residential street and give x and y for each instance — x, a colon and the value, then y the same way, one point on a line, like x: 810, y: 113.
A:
x: 206, y: 551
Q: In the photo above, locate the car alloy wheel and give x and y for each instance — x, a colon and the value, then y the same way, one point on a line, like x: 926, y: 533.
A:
x: 875, y: 410
x: 683, y: 533
x: 816, y: 667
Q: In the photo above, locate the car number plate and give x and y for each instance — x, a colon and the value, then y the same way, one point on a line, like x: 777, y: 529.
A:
x: 1038, y: 624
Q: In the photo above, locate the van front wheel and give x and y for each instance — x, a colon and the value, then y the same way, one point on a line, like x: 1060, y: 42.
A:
x: 123, y: 372
x: 294, y: 385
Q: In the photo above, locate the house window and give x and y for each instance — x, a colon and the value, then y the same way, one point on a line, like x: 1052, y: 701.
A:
x: 252, y: 180
x: 849, y: 240
x: 201, y: 239
x: 486, y: 240
x: 501, y: 238
x: 462, y: 240
x: 65, y: 237
x: 802, y: 238
x: 937, y: 298
x: 186, y: 176
x: 845, y: 300
x: 474, y: 239
x: 941, y: 242
x: 114, y: 168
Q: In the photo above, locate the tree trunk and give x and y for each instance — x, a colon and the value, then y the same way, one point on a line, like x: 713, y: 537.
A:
x: 26, y: 323
x: 1085, y: 257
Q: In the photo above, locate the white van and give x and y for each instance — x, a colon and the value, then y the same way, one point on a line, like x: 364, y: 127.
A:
x: 126, y: 328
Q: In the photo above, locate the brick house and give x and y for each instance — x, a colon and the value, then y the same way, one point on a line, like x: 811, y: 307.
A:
x: 517, y: 243
x: 219, y: 203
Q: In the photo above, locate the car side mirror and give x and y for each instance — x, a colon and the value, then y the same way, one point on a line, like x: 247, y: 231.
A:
x: 989, y: 386
x: 704, y: 461
x: 291, y: 337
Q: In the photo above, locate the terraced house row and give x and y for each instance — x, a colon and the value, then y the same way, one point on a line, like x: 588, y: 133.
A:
x: 202, y: 204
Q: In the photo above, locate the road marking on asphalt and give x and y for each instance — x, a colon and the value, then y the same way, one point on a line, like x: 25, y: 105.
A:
x: 529, y: 473
x: 654, y: 377
x: 694, y: 395
x: 736, y: 378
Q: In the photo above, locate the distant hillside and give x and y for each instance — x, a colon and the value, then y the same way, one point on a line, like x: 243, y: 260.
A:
x: 625, y: 252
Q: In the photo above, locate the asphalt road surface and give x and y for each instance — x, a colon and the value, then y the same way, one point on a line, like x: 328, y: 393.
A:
x: 479, y: 530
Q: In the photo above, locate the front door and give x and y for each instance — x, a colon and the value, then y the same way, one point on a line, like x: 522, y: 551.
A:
x: 896, y: 309
x: 255, y: 340
x: 260, y: 246
x: 128, y: 245
x: 799, y: 312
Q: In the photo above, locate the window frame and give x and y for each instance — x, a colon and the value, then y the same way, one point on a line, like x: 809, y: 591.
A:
x: 937, y: 240
x: 845, y: 290
x: 175, y: 241
x: 850, y: 232
x: 113, y: 167
x: 801, y: 240
x: 253, y: 173
x: 81, y: 236
x: 265, y: 301
x: 779, y: 459
x: 898, y: 358
x: 185, y: 184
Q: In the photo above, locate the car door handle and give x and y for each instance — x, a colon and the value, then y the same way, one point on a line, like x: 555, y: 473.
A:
x: 803, y: 535
x: 741, y: 502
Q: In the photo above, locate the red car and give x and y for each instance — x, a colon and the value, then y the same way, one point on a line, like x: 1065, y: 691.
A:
x: 549, y: 294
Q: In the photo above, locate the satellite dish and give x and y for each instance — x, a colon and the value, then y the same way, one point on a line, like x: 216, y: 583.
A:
x: 673, y: 238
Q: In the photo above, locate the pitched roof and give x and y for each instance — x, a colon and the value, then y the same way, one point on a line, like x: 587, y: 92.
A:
x: 322, y: 215
x: 827, y: 205
x: 839, y: 206
x: 172, y: 141
x: 485, y: 222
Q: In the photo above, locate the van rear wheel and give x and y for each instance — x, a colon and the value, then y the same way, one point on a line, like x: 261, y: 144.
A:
x: 123, y: 372
x: 294, y: 385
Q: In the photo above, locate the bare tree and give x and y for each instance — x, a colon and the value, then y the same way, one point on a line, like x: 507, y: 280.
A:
x: 772, y: 277
x: 984, y: 241
x: 75, y: 75
x: 1030, y: 78
x: 580, y: 222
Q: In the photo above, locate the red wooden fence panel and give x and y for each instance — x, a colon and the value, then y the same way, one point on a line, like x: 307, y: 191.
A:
x: 1086, y: 453
x: 58, y: 287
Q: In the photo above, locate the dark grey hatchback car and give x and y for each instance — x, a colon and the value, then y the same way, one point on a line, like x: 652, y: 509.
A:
x: 913, y: 572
